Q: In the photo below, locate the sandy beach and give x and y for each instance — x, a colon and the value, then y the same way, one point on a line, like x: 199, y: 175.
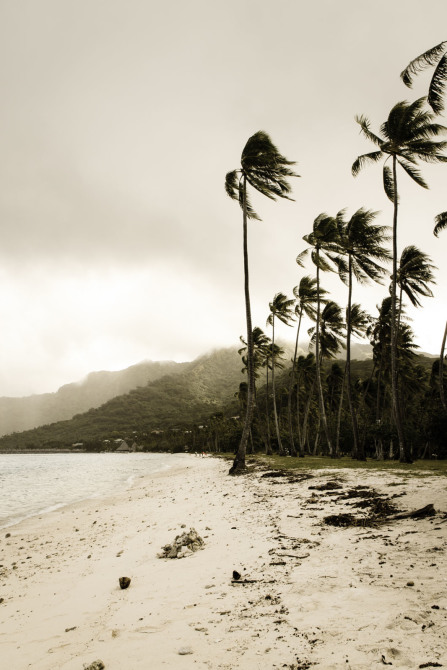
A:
x: 309, y: 594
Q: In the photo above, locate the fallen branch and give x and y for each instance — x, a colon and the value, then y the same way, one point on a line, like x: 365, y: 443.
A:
x: 421, y: 513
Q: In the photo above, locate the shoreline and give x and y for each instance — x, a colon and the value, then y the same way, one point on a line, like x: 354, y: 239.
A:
x: 315, y: 595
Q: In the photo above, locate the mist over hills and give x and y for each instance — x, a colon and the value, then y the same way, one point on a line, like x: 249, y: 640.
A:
x: 188, y: 393
x: 18, y: 414
x: 145, y: 397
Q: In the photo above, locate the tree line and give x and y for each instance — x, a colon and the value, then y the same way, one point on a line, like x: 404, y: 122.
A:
x: 356, y: 248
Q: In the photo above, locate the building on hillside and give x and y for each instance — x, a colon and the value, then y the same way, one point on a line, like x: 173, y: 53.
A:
x: 124, y: 447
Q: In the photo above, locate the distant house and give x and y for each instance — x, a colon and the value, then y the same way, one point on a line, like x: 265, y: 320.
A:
x: 124, y: 447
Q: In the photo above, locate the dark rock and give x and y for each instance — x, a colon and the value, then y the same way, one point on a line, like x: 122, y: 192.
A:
x: 124, y: 582
x: 236, y: 574
x: 96, y: 665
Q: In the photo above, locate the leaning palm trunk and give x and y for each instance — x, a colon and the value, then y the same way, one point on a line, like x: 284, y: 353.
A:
x: 275, y: 412
x: 269, y: 450
x: 441, y: 370
x: 358, y: 451
x: 404, y: 454
x: 339, y: 413
x: 239, y: 461
x: 292, y: 380
x: 323, y: 417
x: 306, y: 420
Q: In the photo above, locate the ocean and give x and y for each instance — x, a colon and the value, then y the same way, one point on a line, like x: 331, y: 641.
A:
x: 32, y: 484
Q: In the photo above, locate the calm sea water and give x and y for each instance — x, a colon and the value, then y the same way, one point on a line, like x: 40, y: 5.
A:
x: 34, y: 483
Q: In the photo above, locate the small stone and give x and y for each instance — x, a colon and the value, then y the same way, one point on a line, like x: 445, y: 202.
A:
x: 124, y: 582
x: 236, y: 574
x: 8, y: 535
x: 183, y: 651
x: 410, y: 583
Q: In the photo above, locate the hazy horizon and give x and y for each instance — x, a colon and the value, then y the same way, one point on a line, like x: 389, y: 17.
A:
x: 119, y: 123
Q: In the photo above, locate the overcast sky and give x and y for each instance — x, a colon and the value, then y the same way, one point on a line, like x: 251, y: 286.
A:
x: 118, y: 123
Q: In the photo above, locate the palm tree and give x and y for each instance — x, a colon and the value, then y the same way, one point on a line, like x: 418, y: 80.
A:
x: 441, y: 370
x: 272, y: 353
x: 324, y: 244
x: 261, y: 351
x: 414, y: 275
x: 362, y: 244
x: 306, y: 373
x: 281, y: 308
x: 330, y: 341
x: 267, y: 171
x: 435, y: 57
x: 306, y: 298
x: 407, y: 137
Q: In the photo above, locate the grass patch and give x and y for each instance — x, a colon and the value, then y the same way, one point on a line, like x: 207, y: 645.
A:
x: 420, y: 468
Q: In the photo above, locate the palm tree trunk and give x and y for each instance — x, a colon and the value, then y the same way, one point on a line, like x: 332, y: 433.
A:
x: 318, y: 363
x: 269, y: 450
x: 239, y: 461
x: 292, y: 379
x: 275, y: 413
x: 404, y: 455
x: 358, y: 451
x: 340, y: 409
x: 441, y: 370
x: 306, y: 418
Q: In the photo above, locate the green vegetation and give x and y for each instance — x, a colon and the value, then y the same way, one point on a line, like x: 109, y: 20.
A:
x: 390, y: 407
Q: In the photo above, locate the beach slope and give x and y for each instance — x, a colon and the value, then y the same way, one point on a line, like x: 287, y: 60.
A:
x: 309, y: 594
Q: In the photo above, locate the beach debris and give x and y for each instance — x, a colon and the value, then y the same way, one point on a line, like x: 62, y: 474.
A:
x: 329, y: 486
x: 410, y: 583
x: 68, y: 630
x: 96, y: 665
x: 124, y: 582
x: 346, y: 520
x: 431, y: 664
x: 8, y: 535
x: 421, y: 513
x: 236, y: 574
x: 183, y: 651
x: 183, y: 545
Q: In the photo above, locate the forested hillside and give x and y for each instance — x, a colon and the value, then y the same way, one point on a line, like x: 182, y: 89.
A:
x: 175, y: 400
x: 18, y: 414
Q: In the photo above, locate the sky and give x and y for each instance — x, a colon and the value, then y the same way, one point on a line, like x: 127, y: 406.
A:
x: 118, y: 123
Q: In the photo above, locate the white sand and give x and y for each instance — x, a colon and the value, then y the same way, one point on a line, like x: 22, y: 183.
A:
x: 325, y: 597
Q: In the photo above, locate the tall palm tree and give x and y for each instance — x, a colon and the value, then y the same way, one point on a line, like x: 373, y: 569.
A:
x: 407, y: 137
x: 281, y: 308
x: 323, y: 246
x: 435, y: 57
x: 267, y: 171
x: 306, y: 299
x: 362, y: 243
x: 414, y: 274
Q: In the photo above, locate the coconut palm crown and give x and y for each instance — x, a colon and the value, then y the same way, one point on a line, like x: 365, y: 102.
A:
x: 407, y: 136
x: 435, y: 57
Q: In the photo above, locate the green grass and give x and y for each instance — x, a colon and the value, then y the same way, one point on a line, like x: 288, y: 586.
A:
x: 419, y: 468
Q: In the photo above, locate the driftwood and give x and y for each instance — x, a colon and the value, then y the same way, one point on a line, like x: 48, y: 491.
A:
x: 421, y: 513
